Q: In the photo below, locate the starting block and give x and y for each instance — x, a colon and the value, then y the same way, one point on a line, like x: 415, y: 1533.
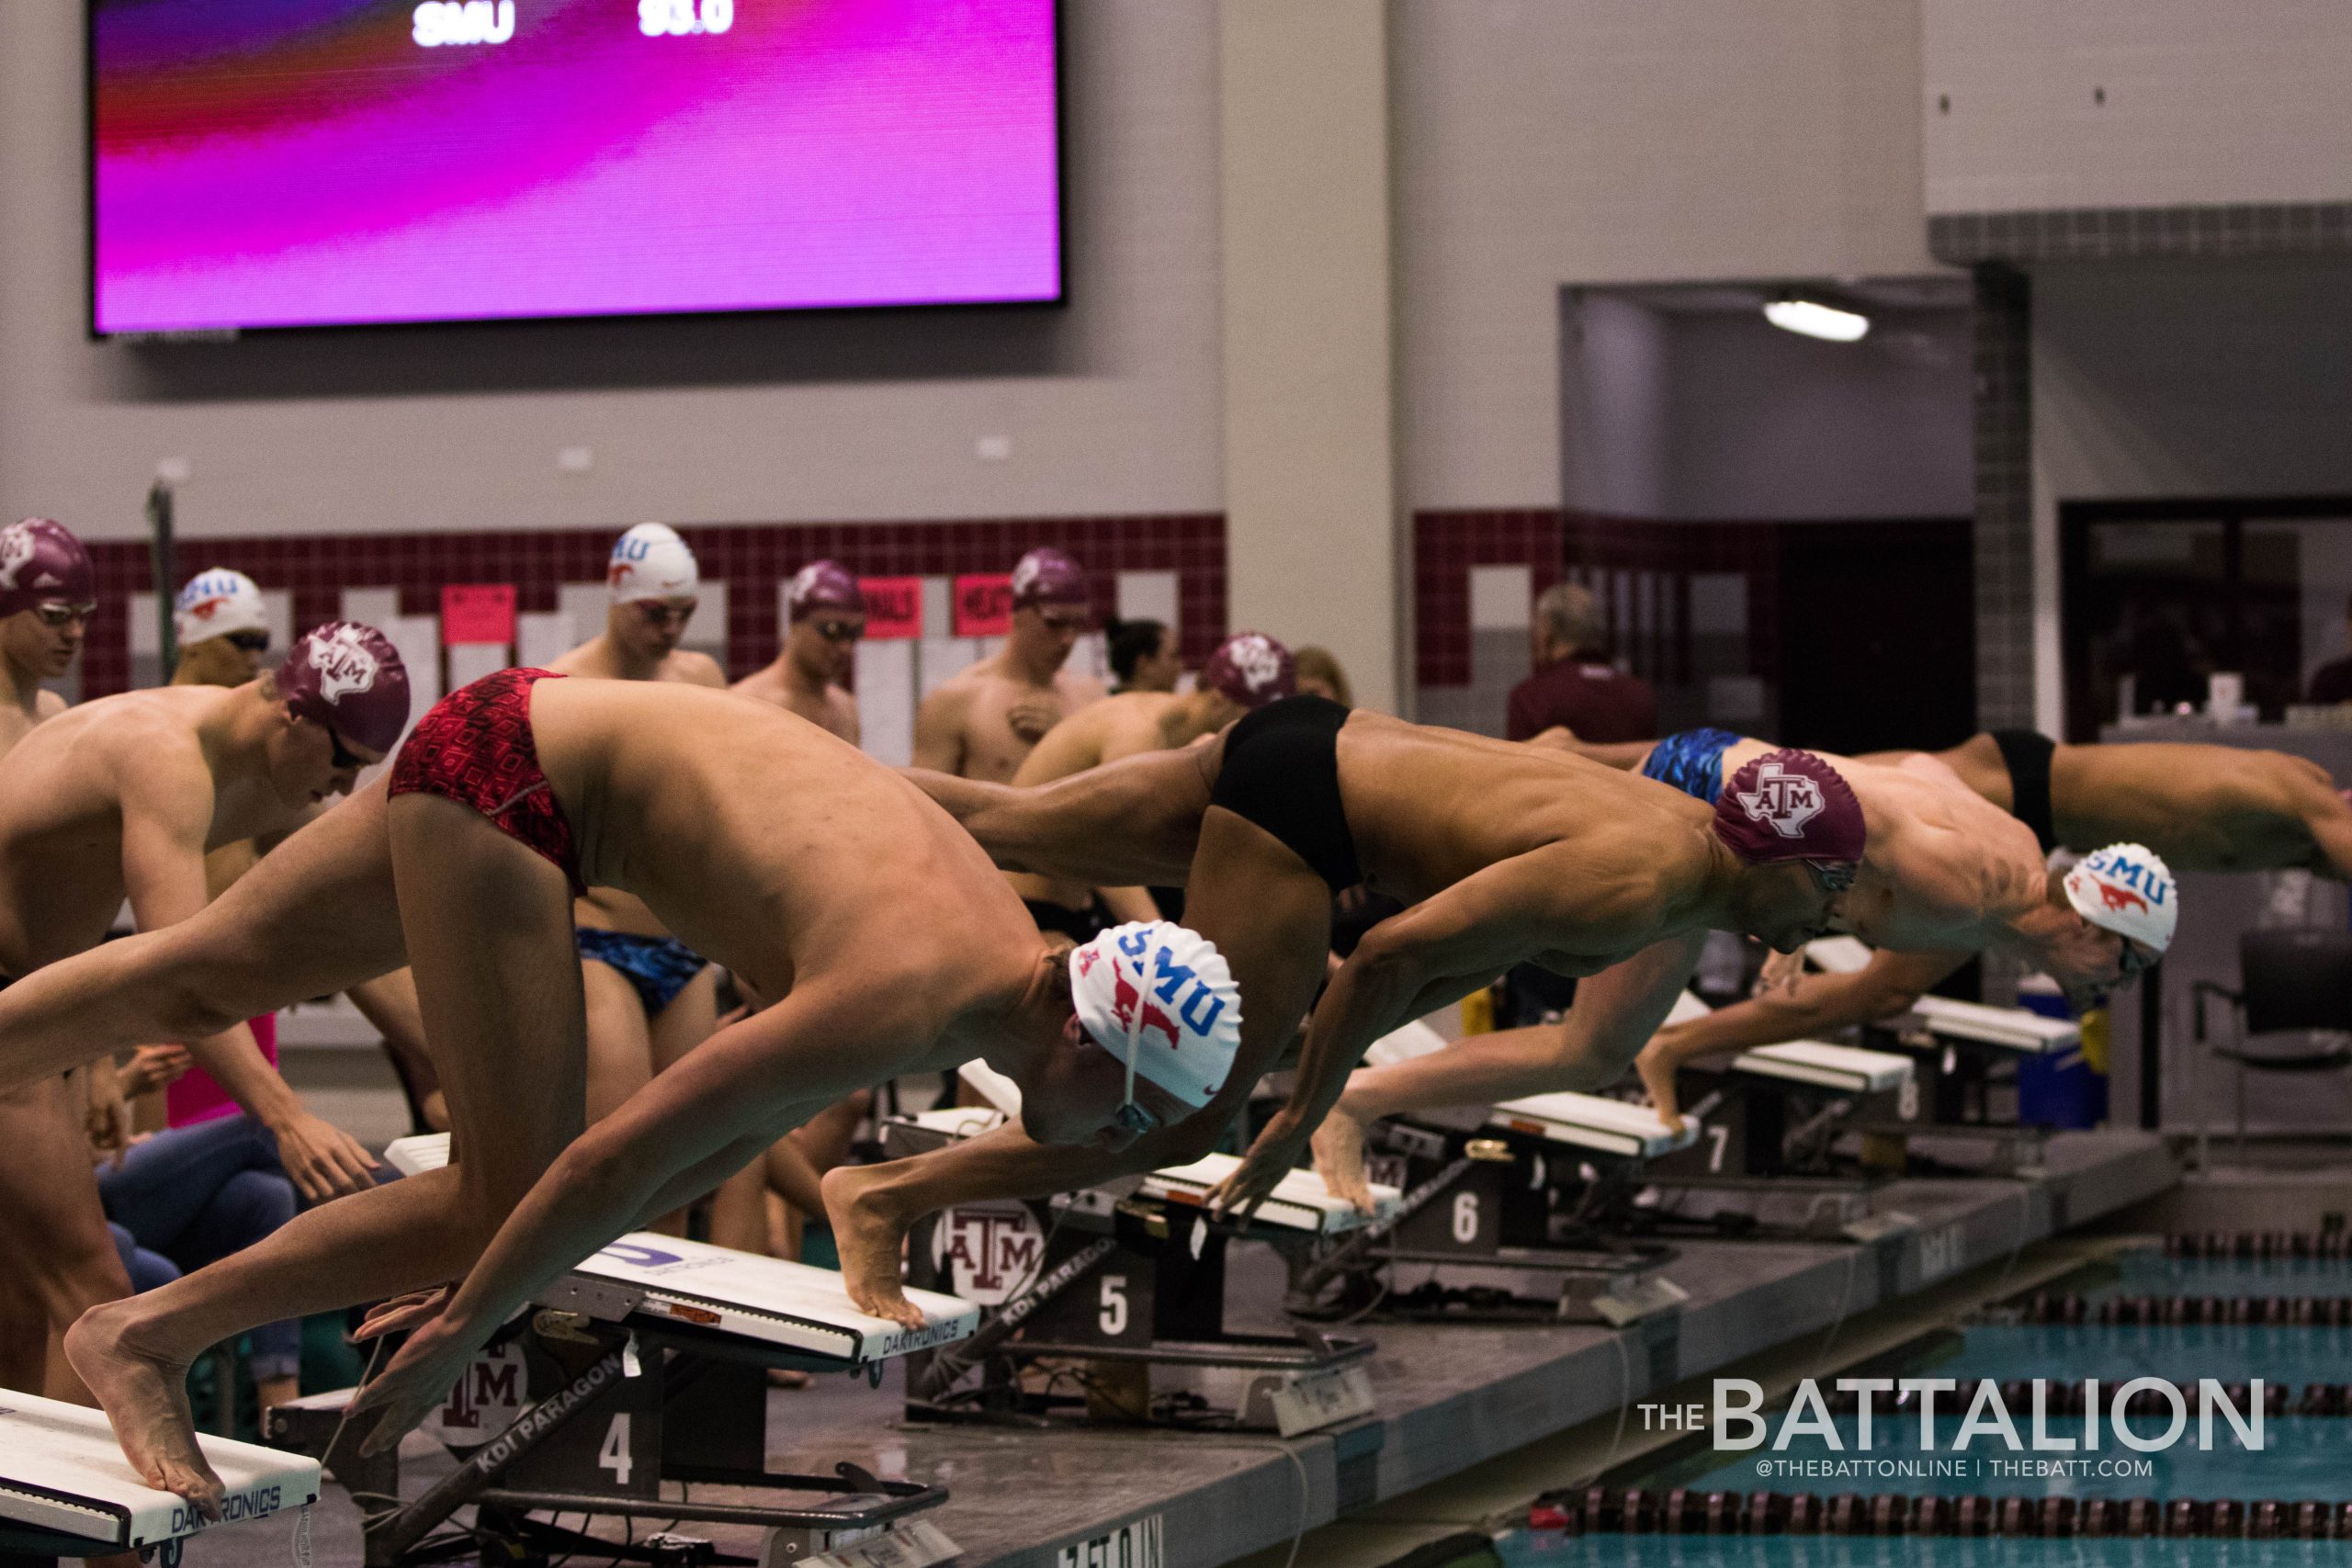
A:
x: 1118, y: 1292
x: 1775, y: 1116
x: 1962, y: 1052
x: 641, y: 1371
x: 1506, y: 1210
x: 66, y: 1491
x: 1966, y: 1050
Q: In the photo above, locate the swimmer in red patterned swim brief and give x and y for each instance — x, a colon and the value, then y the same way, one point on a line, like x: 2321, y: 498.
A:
x: 891, y: 944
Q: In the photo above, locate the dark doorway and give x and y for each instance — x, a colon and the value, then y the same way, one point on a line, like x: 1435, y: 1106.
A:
x: 1878, y: 635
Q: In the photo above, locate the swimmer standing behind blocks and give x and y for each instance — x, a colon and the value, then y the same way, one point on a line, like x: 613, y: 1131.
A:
x: 825, y: 879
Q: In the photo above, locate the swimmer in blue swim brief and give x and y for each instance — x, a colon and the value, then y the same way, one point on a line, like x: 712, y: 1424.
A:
x: 1693, y: 762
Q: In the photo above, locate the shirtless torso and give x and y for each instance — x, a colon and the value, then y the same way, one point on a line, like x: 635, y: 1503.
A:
x: 983, y: 722
x: 827, y: 706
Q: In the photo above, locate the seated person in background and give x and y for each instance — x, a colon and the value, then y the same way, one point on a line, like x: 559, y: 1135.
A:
x: 1573, y: 686
x: 1320, y: 674
x: 1144, y: 657
x: 826, y: 612
x: 1247, y: 671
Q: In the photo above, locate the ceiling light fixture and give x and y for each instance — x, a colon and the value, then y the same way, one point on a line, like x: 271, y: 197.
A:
x: 1813, y: 318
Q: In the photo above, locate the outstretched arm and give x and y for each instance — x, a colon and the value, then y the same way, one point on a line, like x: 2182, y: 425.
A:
x: 1127, y: 823
x: 1615, y: 1014
x: 1817, y: 1004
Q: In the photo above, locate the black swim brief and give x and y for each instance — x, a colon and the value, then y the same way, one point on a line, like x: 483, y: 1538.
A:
x: 1280, y: 772
x: 1059, y: 920
x: 2027, y: 756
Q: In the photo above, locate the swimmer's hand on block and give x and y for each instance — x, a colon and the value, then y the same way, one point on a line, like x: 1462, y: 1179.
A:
x: 744, y: 1295
x: 1299, y: 1201
x: 61, y: 1470
x: 1592, y: 1121
x: 2013, y: 1027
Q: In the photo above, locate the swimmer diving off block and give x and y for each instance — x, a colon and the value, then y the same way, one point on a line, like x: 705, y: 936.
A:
x: 817, y: 875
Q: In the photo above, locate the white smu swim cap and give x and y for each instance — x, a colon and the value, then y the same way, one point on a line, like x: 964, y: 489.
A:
x: 1161, y: 998
x: 216, y: 602
x: 2128, y: 889
x: 650, y: 562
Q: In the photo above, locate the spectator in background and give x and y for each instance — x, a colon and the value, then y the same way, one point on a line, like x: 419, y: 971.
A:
x: 222, y: 629
x: 982, y: 723
x: 1321, y: 675
x: 1574, y: 685
x: 2332, y: 683
x: 826, y: 609
x: 1143, y: 656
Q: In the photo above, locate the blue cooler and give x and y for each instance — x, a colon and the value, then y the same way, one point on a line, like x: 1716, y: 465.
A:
x: 2066, y: 1088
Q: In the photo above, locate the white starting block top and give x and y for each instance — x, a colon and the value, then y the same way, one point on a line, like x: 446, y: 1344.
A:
x: 1415, y: 1040
x: 1838, y: 955
x: 61, y: 1470
x: 1590, y: 1121
x: 788, y: 1306
x: 1840, y: 1068
x: 1299, y: 1201
x: 2013, y: 1028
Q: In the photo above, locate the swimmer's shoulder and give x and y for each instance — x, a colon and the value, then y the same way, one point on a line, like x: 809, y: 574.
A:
x: 685, y: 666
x: 48, y: 704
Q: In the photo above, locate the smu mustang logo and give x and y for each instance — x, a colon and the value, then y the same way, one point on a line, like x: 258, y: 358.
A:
x: 344, y: 666
x: 2124, y: 882
x: 1788, y: 801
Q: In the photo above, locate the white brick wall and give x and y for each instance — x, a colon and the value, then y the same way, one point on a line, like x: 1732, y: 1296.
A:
x: 2204, y: 104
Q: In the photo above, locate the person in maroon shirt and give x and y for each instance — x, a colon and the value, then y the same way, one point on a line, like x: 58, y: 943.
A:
x: 1574, y: 685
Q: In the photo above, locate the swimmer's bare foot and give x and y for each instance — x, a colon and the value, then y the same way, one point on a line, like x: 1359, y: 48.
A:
x: 869, y: 1237
x: 144, y: 1396
x: 1657, y: 1077
x: 1338, y: 1160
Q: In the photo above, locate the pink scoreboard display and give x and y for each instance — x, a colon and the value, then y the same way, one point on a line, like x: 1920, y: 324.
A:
x: 279, y: 163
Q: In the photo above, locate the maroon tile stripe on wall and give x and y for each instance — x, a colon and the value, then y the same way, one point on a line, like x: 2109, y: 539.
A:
x: 752, y: 558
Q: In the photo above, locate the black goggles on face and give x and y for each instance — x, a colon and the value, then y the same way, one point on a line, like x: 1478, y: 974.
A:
x: 837, y: 631
x: 344, y: 759
x: 1835, y: 876
x: 247, y: 642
